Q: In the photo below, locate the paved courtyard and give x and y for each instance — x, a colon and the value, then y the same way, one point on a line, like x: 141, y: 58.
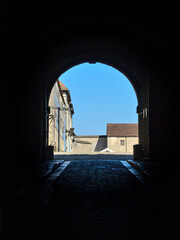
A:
x: 101, y: 200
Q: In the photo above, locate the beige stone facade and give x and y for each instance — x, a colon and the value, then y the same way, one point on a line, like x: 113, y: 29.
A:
x: 122, y: 144
x: 68, y: 116
x: 60, y: 134
x: 89, y: 144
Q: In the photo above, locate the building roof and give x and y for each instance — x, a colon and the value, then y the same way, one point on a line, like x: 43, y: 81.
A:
x: 122, y: 129
x: 65, y: 90
x: 63, y: 87
x: 60, y: 90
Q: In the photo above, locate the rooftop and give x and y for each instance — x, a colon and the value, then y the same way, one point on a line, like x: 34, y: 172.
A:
x: 122, y: 129
x: 63, y: 87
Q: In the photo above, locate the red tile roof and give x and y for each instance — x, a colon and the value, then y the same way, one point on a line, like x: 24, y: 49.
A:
x: 63, y: 87
x: 122, y: 130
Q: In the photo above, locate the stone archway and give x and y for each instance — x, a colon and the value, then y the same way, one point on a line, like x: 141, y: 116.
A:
x: 120, y: 57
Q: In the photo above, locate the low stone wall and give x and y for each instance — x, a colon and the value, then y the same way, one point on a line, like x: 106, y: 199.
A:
x: 89, y: 144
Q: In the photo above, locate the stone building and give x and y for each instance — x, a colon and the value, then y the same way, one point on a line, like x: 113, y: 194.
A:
x: 60, y: 119
x: 120, y: 138
x: 68, y: 117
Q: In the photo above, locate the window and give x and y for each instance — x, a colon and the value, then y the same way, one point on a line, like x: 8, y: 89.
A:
x: 122, y: 142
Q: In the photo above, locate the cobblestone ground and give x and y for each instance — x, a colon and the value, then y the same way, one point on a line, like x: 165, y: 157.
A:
x: 100, y: 200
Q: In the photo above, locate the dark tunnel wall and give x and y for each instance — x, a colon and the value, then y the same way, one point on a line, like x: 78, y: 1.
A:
x: 143, y: 44
x: 38, y: 53
x: 35, y: 53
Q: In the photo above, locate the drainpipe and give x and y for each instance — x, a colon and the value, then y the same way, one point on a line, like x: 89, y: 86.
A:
x: 58, y: 129
x: 64, y: 131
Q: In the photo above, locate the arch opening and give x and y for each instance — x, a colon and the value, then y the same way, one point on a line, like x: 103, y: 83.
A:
x: 126, y: 60
x: 61, y: 113
x: 109, y: 61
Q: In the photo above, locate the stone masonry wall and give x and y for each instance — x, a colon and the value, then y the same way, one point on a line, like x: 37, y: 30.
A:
x: 89, y: 144
x: 122, y: 144
x: 56, y: 101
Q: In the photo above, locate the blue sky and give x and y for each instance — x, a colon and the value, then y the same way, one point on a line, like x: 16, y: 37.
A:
x: 100, y: 94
